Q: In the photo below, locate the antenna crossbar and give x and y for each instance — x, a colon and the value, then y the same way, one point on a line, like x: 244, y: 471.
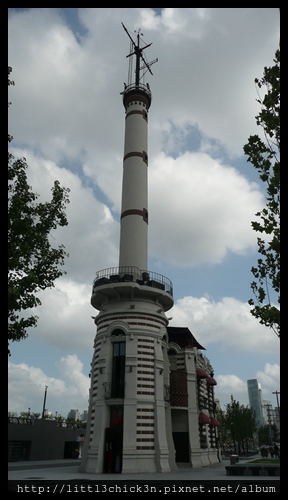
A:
x: 138, y: 52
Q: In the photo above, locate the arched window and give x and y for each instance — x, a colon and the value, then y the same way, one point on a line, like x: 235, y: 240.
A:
x: 118, y: 366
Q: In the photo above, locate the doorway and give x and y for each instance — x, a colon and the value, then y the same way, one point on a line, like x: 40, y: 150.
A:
x: 113, y: 448
x: 181, y: 443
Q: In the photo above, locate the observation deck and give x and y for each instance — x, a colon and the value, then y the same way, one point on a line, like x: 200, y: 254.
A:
x: 131, y: 283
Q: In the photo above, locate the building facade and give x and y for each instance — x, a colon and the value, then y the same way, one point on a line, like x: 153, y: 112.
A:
x: 267, y: 404
x: 74, y: 414
x: 41, y: 439
x: 255, y: 400
x: 152, y: 390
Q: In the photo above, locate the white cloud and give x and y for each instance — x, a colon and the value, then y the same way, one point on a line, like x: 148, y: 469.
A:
x: 206, y: 207
x: 66, y: 97
x: 227, y: 322
x: 27, y: 385
x: 70, y: 368
x: 65, y: 317
x: 60, y: 107
x: 270, y: 377
x: 201, y: 209
x: 92, y: 235
x: 70, y: 389
x: 230, y: 385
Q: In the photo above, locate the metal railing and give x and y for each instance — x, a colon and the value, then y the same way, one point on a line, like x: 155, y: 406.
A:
x: 20, y: 420
x: 141, y: 88
x: 72, y: 425
x: 132, y: 274
x: 60, y: 423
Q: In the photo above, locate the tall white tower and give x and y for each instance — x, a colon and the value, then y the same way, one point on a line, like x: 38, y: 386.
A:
x: 134, y: 213
x: 128, y: 428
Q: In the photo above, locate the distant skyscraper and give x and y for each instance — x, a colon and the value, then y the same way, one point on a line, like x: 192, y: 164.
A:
x: 276, y: 417
x: 255, y: 399
x: 217, y: 403
x: 266, y: 404
x: 84, y: 416
x: 75, y: 414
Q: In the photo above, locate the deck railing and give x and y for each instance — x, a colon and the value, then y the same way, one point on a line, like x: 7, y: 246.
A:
x: 132, y: 274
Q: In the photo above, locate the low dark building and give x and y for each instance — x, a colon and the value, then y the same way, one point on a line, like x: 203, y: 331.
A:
x: 42, y: 439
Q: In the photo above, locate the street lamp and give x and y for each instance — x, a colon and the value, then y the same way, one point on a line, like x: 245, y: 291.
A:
x: 269, y: 422
x: 45, y: 394
x: 276, y: 392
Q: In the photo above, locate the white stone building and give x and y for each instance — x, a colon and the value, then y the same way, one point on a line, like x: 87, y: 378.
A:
x: 152, y: 390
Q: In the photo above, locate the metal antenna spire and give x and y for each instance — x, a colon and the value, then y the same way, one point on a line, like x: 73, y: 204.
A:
x: 138, y: 53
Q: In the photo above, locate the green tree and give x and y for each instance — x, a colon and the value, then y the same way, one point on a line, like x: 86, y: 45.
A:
x: 249, y: 427
x: 265, y: 157
x: 241, y: 423
x: 223, y: 431
x: 265, y: 436
x: 33, y: 263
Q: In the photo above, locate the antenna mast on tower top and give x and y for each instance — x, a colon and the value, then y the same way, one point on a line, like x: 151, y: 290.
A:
x: 138, y: 52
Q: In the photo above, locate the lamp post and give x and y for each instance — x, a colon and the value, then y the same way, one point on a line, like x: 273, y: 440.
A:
x: 45, y: 394
x: 233, y: 436
x: 277, y: 392
x: 269, y: 422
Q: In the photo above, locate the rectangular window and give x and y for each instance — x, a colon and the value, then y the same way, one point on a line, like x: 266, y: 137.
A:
x: 118, y: 370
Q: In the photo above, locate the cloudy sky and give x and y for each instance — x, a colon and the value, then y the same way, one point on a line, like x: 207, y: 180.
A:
x: 67, y: 120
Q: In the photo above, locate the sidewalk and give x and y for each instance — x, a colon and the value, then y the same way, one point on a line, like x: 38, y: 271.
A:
x: 67, y: 470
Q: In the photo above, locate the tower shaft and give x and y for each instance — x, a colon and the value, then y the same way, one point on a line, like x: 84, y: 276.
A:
x: 134, y: 212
